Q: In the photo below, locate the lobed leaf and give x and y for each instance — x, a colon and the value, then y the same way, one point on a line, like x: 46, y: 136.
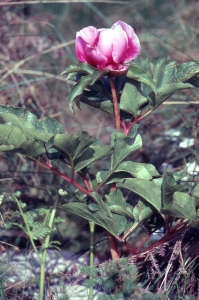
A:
x: 148, y: 190
x: 93, y: 153
x: 97, y: 100
x: 117, y: 202
x: 101, y: 203
x: 167, y: 75
x: 132, y: 98
x: 49, y: 125
x: 123, y: 146
x: 142, y: 212
x: 136, y: 73
x: 99, y: 216
x: 187, y: 70
x: 182, y: 206
x: 167, y: 90
x: 156, y: 65
x: 138, y: 170
x: 78, y: 89
x: 169, y: 187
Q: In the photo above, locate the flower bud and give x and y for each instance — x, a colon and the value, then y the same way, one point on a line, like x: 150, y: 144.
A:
x: 110, y: 49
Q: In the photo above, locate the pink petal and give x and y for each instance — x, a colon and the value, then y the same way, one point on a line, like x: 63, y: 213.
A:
x: 117, y: 67
x: 120, y: 44
x: 89, y: 34
x: 95, y: 58
x: 80, y: 46
x: 134, y: 48
x: 133, y: 41
x: 105, y: 43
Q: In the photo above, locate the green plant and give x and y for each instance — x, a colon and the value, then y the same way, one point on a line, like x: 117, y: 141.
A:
x: 125, y: 196
x: 117, y: 277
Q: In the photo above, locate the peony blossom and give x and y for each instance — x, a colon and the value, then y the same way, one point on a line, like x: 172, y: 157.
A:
x: 107, y: 48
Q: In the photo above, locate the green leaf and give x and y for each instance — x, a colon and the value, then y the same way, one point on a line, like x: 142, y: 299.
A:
x: 85, y: 140
x: 93, y: 153
x: 50, y: 125
x: 144, y: 188
x: 65, y: 143
x: 11, y: 136
x: 91, y: 76
x: 138, y: 170
x: 116, y: 198
x: 156, y: 65
x: 182, y: 206
x: 187, y: 70
x: 80, y: 68
x: 20, y: 131
x: 71, y: 69
x: 111, y: 177
x: 123, y: 146
x: 101, y: 175
x: 39, y: 230
x: 19, y: 116
x: 78, y: 89
x: 99, y: 217
x: 26, y: 127
x: 166, y: 91
x: 93, y: 207
x: 101, y: 203
x: 121, y: 223
x: 121, y: 210
x: 167, y: 75
x: 117, y: 202
x: 92, y: 181
x: 151, y: 169
x: 136, y: 73
x: 32, y: 149
x: 141, y: 212
x: 169, y: 187
x: 13, y: 139
x: 70, y: 145
x: 129, y: 226
x: 132, y: 98
x: 170, y: 77
x: 97, y: 100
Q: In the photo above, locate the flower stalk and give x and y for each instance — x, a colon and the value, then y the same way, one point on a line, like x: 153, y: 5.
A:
x: 115, y: 103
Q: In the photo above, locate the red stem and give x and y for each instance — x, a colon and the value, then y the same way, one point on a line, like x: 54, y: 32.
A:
x: 115, y: 104
x: 113, y: 247
x: 130, y: 248
x: 112, y: 239
x: 135, y: 121
x: 48, y: 166
x: 164, y: 239
x: 85, y: 181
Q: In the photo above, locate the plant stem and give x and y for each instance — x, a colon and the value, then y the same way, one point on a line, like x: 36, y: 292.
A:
x: 112, y: 240
x: 165, y: 238
x: 48, y: 166
x: 115, y: 104
x: 131, y: 249
x: 45, y: 246
x: 128, y: 128
x: 92, y: 228
x: 27, y: 227
x: 1, y: 291
x: 113, y: 247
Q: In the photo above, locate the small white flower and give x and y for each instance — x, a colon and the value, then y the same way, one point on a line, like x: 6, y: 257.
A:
x: 186, y: 142
x: 172, y: 134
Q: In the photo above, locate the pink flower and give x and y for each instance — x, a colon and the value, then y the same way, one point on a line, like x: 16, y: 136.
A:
x: 108, y: 48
